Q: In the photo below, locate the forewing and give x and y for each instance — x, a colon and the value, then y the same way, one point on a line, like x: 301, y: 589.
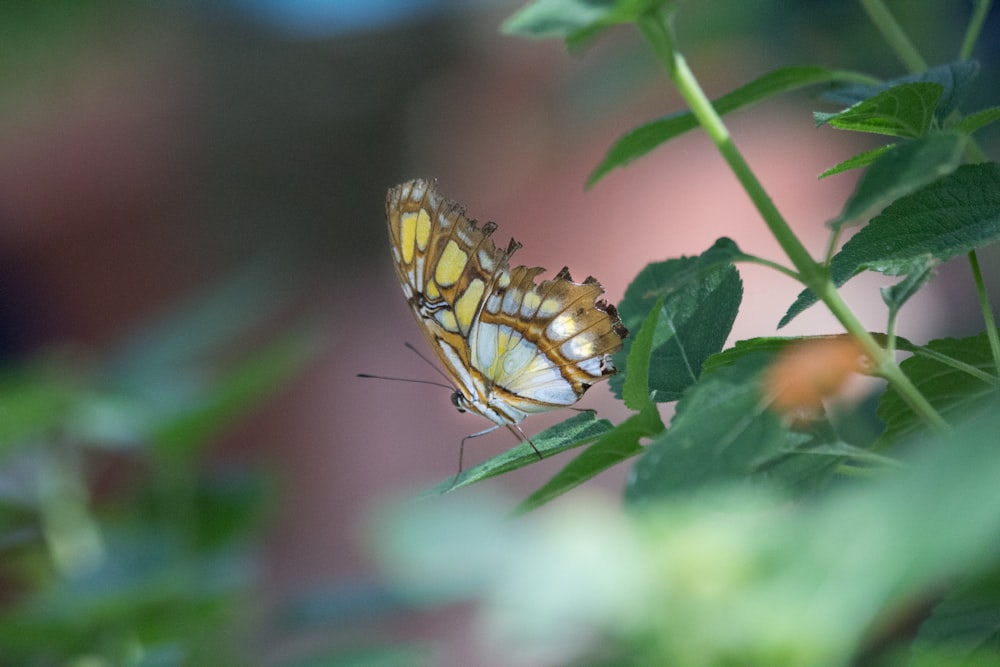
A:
x: 446, y: 264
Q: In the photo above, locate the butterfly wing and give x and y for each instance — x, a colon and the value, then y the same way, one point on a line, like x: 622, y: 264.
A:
x: 543, y: 345
x: 512, y: 346
x: 446, y: 266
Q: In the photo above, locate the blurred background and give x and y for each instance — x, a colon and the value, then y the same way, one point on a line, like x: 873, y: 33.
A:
x: 194, y: 268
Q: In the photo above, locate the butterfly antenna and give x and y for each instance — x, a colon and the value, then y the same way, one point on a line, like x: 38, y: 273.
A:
x: 430, y: 363
x: 386, y: 377
x: 449, y: 386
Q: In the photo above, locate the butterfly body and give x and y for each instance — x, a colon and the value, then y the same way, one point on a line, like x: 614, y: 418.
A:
x: 512, y: 347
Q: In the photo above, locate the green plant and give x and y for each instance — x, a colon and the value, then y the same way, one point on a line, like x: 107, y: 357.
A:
x: 120, y: 545
x: 824, y: 542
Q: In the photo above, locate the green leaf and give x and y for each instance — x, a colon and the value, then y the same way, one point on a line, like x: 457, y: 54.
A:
x: 801, y: 583
x: 635, y: 388
x: 645, y: 138
x: 150, y: 587
x: 807, y: 462
x: 198, y: 328
x: 963, y: 628
x: 979, y: 119
x: 404, y: 654
x: 701, y: 296
x: 955, y: 80
x: 615, y: 446
x: 34, y: 404
x: 945, y: 219
x: 905, y: 111
x: 794, y: 461
x: 575, y: 431
x: 722, y: 432
x: 901, y: 170
x: 898, y: 294
x: 848, y: 452
x: 859, y: 160
x: 951, y: 391
x: 576, y: 21
x: 231, y: 505
x: 230, y: 396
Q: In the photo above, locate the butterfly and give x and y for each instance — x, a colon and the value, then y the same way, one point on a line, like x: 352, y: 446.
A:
x: 510, y: 346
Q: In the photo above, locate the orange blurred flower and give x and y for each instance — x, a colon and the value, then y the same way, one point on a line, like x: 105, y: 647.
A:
x: 809, y: 371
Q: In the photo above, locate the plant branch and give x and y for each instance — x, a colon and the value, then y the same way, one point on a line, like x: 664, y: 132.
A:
x: 754, y: 259
x: 894, y: 35
x: 655, y: 28
x: 984, y: 305
x: 975, y: 27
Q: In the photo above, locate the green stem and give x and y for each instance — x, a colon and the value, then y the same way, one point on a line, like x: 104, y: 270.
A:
x: 974, y: 28
x: 655, y: 28
x: 883, y: 361
x: 754, y: 259
x: 890, y: 329
x: 894, y: 35
x: 984, y: 305
x: 959, y: 366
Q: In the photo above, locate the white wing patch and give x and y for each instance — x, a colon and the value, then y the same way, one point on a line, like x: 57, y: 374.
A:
x: 517, y: 365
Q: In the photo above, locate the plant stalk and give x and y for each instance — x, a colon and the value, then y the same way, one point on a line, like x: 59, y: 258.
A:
x: 975, y: 27
x: 656, y: 29
x: 894, y: 35
x: 984, y: 305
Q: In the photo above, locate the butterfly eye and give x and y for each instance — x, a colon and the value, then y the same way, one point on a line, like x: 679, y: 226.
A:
x: 458, y: 401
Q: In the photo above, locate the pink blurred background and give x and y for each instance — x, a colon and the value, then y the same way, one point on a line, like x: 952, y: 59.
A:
x: 147, y: 152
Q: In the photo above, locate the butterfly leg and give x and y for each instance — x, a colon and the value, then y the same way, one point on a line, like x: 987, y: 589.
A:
x: 513, y: 428
x: 461, y: 448
x: 520, y: 435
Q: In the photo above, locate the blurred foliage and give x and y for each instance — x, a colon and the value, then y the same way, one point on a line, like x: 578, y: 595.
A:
x: 122, y: 543
x: 752, y: 536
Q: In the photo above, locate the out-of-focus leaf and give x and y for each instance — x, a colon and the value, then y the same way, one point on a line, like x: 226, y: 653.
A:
x: 33, y: 405
x: 198, y: 328
x: 762, y: 582
x: 575, y: 21
x: 404, y: 655
x: 241, y: 387
x: 165, y: 594
x: 979, y: 119
x: 963, y: 628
